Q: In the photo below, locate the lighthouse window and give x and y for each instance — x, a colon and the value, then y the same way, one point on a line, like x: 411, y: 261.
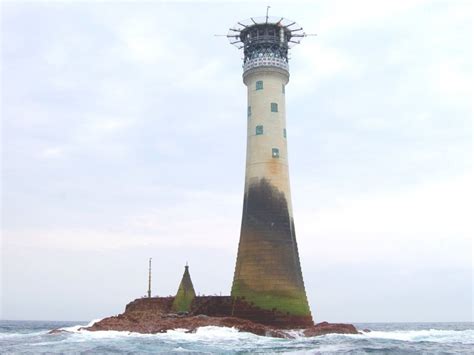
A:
x: 259, y: 85
x: 249, y: 111
x: 284, y: 132
x: 275, y: 153
x: 259, y: 130
x: 282, y: 88
x: 274, y: 107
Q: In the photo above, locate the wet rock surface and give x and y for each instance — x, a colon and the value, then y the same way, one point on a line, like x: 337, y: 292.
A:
x: 160, y: 323
x: 155, y: 315
x: 330, y: 328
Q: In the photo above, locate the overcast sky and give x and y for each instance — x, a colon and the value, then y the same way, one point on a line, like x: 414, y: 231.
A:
x: 124, y: 133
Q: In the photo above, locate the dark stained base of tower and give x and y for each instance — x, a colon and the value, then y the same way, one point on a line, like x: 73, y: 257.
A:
x: 154, y: 315
x: 268, y: 272
x: 227, y: 306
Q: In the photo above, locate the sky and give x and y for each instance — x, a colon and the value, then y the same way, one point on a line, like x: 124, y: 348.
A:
x: 124, y: 133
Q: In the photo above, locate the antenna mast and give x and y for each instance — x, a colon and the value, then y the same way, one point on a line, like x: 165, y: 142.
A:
x: 149, y: 278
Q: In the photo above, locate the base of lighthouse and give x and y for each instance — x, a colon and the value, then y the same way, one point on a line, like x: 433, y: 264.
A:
x: 268, y: 272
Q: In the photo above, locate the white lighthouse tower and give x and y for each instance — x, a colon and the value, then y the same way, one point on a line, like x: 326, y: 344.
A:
x: 268, y: 272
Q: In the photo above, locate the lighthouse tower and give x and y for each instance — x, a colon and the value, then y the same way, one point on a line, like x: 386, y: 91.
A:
x: 268, y: 272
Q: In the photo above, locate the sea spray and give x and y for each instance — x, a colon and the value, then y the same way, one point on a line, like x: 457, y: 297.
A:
x: 389, y: 338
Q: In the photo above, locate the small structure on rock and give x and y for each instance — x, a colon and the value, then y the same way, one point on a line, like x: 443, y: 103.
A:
x: 149, y: 278
x: 185, y: 295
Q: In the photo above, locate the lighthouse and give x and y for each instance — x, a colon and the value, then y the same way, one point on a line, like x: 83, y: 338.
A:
x: 268, y: 272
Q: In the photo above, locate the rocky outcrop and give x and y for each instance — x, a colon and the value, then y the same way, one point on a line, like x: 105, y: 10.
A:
x: 152, y: 324
x: 154, y: 315
x: 222, y: 306
x: 330, y: 328
x: 160, y: 324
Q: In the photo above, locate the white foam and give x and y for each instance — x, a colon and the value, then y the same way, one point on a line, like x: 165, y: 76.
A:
x: 227, y: 339
x: 75, y: 328
x: 19, y: 335
x: 83, y: 334
x: 211, y: 334
x: 433, y: 335
x: 294, y: 333
x: 202, y: 334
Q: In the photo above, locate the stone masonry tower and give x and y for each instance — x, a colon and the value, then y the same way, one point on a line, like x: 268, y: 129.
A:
x: 268, y: 272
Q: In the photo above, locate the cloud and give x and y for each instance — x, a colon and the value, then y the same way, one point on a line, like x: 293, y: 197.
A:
x: 142, y: 44
x: 429, y: 223
x: 450, y: 81
x: 318, y: 64
x: 52, y: 152
x: 363, y: 13
x: 192, y: 218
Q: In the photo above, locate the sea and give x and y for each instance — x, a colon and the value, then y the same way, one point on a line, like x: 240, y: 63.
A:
x: 31, y: 337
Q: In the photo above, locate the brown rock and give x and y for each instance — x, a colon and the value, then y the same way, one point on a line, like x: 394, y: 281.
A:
x: 330, y: 328
x: 161, y: 324
x: 154, y: 315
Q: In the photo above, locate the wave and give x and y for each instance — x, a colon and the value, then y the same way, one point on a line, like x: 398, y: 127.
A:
x: 430, y: 335
x: 214, y: 333
x: 212, y: 339
x: 76, y: 328
x: 230, y: 337
x: 20, y: 335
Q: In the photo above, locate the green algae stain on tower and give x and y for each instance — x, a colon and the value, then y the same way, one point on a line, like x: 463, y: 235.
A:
x: 185, y: 295
x: 268, y: 272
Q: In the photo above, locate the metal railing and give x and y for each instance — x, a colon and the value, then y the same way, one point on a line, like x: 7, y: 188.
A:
x: 265, y: 61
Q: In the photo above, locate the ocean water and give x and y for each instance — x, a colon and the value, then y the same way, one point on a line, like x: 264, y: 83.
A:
x: 385, y: 338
